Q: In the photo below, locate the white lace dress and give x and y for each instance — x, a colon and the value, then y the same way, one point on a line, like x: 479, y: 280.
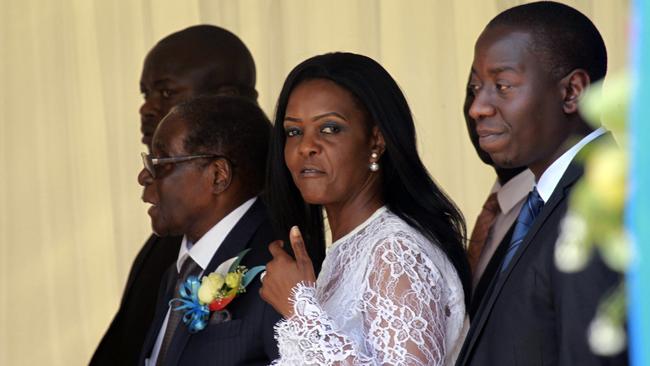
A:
x: 385, y: 296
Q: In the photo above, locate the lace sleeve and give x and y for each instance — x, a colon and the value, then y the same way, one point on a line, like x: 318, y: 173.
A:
x: 403, y: 316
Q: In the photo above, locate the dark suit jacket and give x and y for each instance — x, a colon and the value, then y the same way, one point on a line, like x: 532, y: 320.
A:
x: 533, y: 314
x: 247, y: 339
x: 122, y: 343
x: 491, y: 270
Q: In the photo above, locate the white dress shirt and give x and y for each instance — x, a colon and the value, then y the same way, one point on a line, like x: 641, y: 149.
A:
x: 511, y: 197
x: 513, y: 194
x: 552, y: 175
x: 202, y: 252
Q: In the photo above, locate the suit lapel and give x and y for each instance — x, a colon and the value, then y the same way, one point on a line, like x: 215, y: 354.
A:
x: 165, y: 294
x: 240, y: 235
x: 570, y: 177
x: 572, y: 174
x: 236, y: 241
x: 481, y: 290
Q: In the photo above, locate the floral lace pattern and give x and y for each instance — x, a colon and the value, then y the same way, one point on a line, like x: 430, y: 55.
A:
x: 385, y: 295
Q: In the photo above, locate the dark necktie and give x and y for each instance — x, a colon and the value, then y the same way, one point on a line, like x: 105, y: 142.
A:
x: 525, y: 220
x: 188, y: 268
x: 481, y: 230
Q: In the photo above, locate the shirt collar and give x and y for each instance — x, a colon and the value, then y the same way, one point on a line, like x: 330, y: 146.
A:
x: 204, y: 249
x: 552, y: 175
x: 516, y: 189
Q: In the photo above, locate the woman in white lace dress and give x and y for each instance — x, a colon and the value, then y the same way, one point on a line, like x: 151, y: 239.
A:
x: 392, y: 289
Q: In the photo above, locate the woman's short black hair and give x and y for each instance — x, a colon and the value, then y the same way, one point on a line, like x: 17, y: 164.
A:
x: 407, y: 188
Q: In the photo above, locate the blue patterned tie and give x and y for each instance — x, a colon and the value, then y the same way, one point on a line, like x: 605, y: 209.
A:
x: 188, y: 268
x: 525, y: 220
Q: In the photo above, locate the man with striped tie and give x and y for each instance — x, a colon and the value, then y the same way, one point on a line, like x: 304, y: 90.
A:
x: 532, y: 63
x: 202, y: 180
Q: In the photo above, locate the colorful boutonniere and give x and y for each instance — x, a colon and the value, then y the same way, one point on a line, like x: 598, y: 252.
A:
x: 213, y: 292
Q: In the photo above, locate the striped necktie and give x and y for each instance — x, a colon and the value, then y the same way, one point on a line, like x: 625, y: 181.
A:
x: 480, y: 234
x: 529, y: 211
x: 188, y: 268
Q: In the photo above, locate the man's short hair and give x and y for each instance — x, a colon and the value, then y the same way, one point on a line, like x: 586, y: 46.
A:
x: 230, y: 126
x: 564, y: 38
x: 229, y: 57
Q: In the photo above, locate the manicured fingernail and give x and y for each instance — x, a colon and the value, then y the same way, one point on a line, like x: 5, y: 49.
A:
x: 295, y: 231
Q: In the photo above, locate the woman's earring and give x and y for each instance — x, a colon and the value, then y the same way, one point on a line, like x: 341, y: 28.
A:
x: 373, y: 166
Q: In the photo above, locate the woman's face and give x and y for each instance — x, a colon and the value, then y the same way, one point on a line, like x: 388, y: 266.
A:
x: 329, y: 144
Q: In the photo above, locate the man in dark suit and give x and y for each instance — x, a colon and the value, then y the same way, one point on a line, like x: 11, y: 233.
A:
x: 202, y: 179
x: 198, y: 60
x: 493, y: 228
x: 532, y: 63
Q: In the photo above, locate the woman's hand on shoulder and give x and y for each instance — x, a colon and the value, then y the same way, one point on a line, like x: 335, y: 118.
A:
x: 283, y: 273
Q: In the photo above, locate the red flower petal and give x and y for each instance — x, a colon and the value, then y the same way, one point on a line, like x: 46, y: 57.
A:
x: 220, y: 304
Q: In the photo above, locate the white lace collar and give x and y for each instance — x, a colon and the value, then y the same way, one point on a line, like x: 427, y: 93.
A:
x: 345, y: 237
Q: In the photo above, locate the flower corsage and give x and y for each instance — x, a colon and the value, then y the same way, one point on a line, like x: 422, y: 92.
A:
x: 213, y: 292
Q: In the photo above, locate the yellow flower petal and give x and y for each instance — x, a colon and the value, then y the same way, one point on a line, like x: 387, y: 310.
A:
x: 233, y: 279
x: 217, y: 280
x: 206, y: 294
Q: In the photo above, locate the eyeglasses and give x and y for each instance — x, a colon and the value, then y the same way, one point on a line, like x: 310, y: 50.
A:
x: 151, y: 163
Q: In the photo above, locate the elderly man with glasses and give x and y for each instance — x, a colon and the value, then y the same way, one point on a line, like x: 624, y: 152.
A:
x: 202, y: 179
x: 199, y: 60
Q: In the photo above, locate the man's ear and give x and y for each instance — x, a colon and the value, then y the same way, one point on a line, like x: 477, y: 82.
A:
x: 378, y: 144
x: 574, y: 86
x: 222, y: 171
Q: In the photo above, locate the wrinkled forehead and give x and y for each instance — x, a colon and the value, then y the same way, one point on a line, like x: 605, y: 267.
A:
x: 170, y: 135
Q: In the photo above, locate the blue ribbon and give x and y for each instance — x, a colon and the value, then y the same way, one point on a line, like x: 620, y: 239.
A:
x: 196, y: 315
